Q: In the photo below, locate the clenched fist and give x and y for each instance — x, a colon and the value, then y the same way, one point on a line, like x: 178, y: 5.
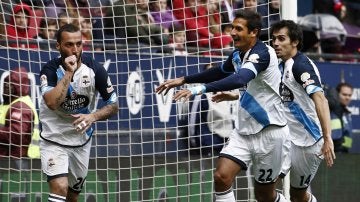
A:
x: 71, y: 63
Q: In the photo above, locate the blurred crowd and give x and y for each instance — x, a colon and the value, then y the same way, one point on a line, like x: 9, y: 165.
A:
x: 170, y: 26
x: 345, y: 23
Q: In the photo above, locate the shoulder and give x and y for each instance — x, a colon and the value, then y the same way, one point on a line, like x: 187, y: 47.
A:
x: 262, y: 50
x: 91, y: 63
x: 262, y: 53
x: 261, y: 47
x: 52, y: 64
x: 301, y: 61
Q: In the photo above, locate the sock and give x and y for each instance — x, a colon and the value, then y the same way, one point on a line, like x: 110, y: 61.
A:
x: 56, y: 198
x: 226, y: 196
x: 312, y: 198
x: 280, y: 198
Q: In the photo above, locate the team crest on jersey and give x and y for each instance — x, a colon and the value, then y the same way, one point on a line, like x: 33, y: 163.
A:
x: 43, y: 80
x: 254, y: 58
x: 85, y: 81
x: 73, y: 95
x: 305, y: 76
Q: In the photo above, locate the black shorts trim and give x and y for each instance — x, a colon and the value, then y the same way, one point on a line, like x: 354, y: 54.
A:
x: 282, y: 175
x: 67, y: 146
x: 265, y: 183
x: 240, y: 162
x: 56, y: 176
x: 223, y: 193
x: 75, y: 191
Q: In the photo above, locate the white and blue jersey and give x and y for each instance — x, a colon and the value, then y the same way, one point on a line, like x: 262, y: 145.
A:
x: 88, y: 79
x: 257, y: 76
x: 260, y: 102
x: 300, y: 80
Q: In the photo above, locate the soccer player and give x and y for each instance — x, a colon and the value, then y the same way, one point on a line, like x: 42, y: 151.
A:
x: 69, y: 85
x: 307, y: 110
x: 261, y: 134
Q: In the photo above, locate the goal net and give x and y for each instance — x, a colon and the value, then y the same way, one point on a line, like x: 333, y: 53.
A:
x: 154, y: 149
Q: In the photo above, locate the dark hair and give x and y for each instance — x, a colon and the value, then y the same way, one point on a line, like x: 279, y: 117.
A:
x: 66, y: 28
x: 44, y: 23
x: 344, y: 84
x: 254, y: 19
x: 294, y: 31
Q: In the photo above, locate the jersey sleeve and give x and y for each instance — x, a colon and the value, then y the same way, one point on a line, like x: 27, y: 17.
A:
x: 48, y: 78
x: 103, y: 85
x: 305, y: 74
x: 257, y: 61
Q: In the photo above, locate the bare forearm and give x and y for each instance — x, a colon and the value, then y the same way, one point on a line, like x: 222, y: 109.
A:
x: 323, y: 112
x: 106, y: 112
x: 57, y: 95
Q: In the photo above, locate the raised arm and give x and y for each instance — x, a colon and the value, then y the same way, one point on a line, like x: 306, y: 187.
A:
x: 54, y: 97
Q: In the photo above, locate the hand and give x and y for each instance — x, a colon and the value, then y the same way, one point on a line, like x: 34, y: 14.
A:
x: 83, y: 122
x: 184, y: 93
x: 328, y: 151
x: 167, y: 85
x: 224, y: 96
x: 71, y: 63
x: 187, y: 93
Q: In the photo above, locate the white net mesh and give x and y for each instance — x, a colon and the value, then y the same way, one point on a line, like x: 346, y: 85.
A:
x: 152, y: 150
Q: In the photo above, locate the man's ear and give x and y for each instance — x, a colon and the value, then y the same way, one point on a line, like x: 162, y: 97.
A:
x: 57, y: 46
x: 295, y: 43
x: 254, y: 33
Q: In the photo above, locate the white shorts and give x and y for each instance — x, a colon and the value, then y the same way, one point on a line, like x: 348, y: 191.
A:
x: 266, y: 150
x: 303, y: 163
x: 58, y: 161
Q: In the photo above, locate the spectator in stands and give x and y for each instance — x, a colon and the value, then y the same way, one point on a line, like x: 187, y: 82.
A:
x: 18, y: 115
x: 251, y: 5
x: 227, y: 9
x: 341, y: 123
x: 19, y: 30
x: 86, y: 32
x: 133, y: 20
x: 162, y: 15
x: 54, y: 8
x: 67, y: 18
x: 210, y: 123
x: 47, y: 33
x: 91, y: 10
x: 196, y: 18
x: 332, y: 7
x: 274, y: 11
x: 177, y: 41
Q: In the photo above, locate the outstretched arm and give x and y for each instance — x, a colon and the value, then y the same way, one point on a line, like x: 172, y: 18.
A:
x: 209, y: 75
x: 234, y: 81
x: 323, y: 112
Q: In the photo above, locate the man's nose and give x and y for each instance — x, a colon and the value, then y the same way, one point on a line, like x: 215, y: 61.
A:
x: 75, y: 49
